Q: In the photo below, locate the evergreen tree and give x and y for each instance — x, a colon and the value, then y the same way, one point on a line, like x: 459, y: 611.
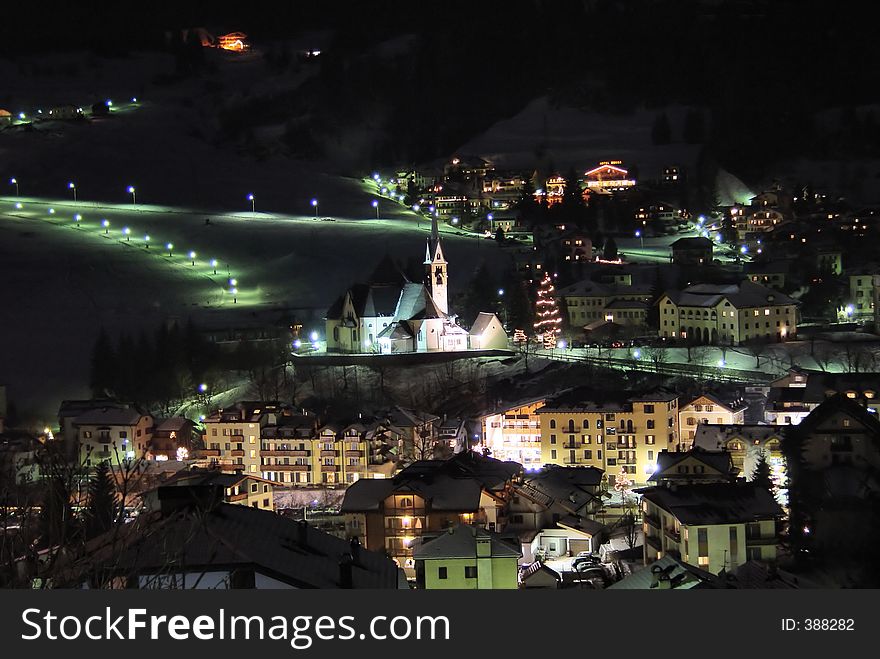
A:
x: 761, y: 474
x: 548, y: 321
x: 102, y: 371
x: 101, y: 508
x: 609, y: 252
x: 499, y: 236
x: 519, y: 306
x: 527, y: 206
x: 694, y: 129
x: 661, y: 133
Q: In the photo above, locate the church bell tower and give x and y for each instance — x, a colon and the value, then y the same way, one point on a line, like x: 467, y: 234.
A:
x: 435, y: 269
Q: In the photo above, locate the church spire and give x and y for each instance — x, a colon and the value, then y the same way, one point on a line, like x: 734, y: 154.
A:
x: 435, y: 268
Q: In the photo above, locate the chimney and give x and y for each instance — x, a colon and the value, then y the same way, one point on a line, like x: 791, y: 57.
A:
x: 346, y: 565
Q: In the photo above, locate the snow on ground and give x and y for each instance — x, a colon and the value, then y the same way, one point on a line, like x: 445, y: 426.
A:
x: 572, y: 137
x: 62, y: 283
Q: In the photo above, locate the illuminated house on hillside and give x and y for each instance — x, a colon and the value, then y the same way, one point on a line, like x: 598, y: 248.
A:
x: 609, y: 176
x: 236, y: 41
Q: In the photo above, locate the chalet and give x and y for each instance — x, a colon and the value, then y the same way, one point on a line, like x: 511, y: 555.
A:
x: 692, y: 251
x: 608, y: 177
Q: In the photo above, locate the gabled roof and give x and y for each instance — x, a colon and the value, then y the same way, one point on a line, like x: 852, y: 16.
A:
x: 692, y: 243
x: 718, y: 462
x: 715, y: 436
x: 461, y: 542
x: 110, y: 416
x: 416, y: 303
x: 714, y: 503
x: 481, y: 324
x: 233, y: 536
x: 681, y: 575
x: 837, y: 404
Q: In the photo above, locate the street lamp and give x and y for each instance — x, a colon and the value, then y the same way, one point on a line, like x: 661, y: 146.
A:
x: 203, y: 387
x: 72, y: 187
x: 106, y: 225
x: 376, y: 206
x: 192, y: 257
x: 315, y: 205
x: 641, y: 238
x: 234, y: 292
x: 14, y: 182
x: 214, y: 265
x: 170, y: 248
x: 253, y: 201
x: 77, y: 218
x: 147, y: 241
x: 131, y: 191
x: 127, y: 233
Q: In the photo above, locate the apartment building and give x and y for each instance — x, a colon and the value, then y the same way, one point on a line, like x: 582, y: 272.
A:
x: 708, y: 408
x: 587, y: 428
x: 427, y: 497
x: 514, y: 434
x: 727, y: 314
x: 112, y: 434
x: 232, y: 435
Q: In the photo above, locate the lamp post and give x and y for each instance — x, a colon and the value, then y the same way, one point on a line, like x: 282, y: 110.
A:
x: 72, y: 187
x: 641, y: 238
x: 78, y: 218
x: 315, y: 205
x: 147, y: 241
x: 127, y: 233
x: 253, y: 201
x: 192, y: 257
x: 234, y: 292
x: 214, y: 265
x: 133, y: 194
x: 106, y: 225
x: 14, y: 181
x: 376, y: 206
x: 170, y: 248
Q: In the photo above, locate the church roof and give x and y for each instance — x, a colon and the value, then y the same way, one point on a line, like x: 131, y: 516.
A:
x: 416, y: 303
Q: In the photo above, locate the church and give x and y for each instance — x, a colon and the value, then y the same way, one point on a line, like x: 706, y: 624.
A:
x: 390, y: 314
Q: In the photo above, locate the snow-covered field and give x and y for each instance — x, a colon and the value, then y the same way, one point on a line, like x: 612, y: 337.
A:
x: 63, y: 282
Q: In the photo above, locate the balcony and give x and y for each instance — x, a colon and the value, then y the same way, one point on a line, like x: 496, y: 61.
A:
x: 327, y: 454
x: 286, y: 468
x: 654, y: 542
x: 653, y: 520
x: 354, y: 454
x: 329, y: 467
x: 236, y: 453
x: 279, y: 453
x: 571, y: 445
x: 673, y: 535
